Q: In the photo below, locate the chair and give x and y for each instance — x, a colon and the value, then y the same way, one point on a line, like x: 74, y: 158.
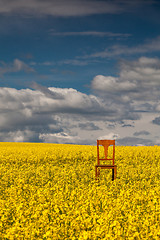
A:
x: 106, y: 144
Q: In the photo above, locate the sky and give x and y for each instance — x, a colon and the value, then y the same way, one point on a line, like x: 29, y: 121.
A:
x: 74, y: 71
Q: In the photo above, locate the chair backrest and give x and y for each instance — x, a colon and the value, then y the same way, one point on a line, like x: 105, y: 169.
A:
x: 105, y: 144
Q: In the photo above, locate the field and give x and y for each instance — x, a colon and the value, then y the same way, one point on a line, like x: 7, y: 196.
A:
x: 48, y: 191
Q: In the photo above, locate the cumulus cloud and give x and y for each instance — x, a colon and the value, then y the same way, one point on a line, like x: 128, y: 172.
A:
x: 48, y: 100
x: 16, y: 66
x: 57, y: 100
x: 46, y: 91
x: 144, y: 69
x: 45, y: 113
x: 137, y: 85
x: 110, y: 84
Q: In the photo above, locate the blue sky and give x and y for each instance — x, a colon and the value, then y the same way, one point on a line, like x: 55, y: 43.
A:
x: 72, y: 71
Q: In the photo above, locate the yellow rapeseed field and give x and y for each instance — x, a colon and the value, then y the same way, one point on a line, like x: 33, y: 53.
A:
x: 48, y: 191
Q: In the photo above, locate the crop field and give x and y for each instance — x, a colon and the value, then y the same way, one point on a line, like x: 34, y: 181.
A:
x: 48, y: 191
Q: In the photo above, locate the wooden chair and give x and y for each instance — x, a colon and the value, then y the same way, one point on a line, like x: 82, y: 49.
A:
x: 106, y: 144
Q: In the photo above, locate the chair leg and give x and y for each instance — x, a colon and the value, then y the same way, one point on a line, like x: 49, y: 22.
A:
x: 114, y: 173
x: 97, y: 172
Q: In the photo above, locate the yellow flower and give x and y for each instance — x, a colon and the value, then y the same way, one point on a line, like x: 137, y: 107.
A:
x: 48, y: 191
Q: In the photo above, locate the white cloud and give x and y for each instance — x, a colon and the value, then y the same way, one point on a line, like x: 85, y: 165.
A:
x: 109, y: 83
x: 89, y: 33
x: 111, y: 136
x: 16, y: 66
x: 47, y: 92
x: 38, y: 115
x: 138, y: 84
x: 47, y: 113
x: 144, y: 69
x: 67, y: 8
x: 152, y: 45
x: 62, y: 8
x: 75, y: 62
x: 69, y: 116
x: 51, y: 100
x: 60, y: 138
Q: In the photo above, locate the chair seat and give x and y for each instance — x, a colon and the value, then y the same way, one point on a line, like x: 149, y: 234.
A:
x: 107, y: 166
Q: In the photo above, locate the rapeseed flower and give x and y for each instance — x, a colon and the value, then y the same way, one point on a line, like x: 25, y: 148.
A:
x: 48, y: 191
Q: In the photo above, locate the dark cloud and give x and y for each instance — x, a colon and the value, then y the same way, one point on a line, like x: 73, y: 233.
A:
x: 133, y: 141
x: 46, y: 112
x: 20, y: 136
x: 111, y: 125
x: 88, y: 126
x: 127, y: 125
x: 46, y: 91
x: 156, y: 121
x: 56, y: 115
x: 141, y: 133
